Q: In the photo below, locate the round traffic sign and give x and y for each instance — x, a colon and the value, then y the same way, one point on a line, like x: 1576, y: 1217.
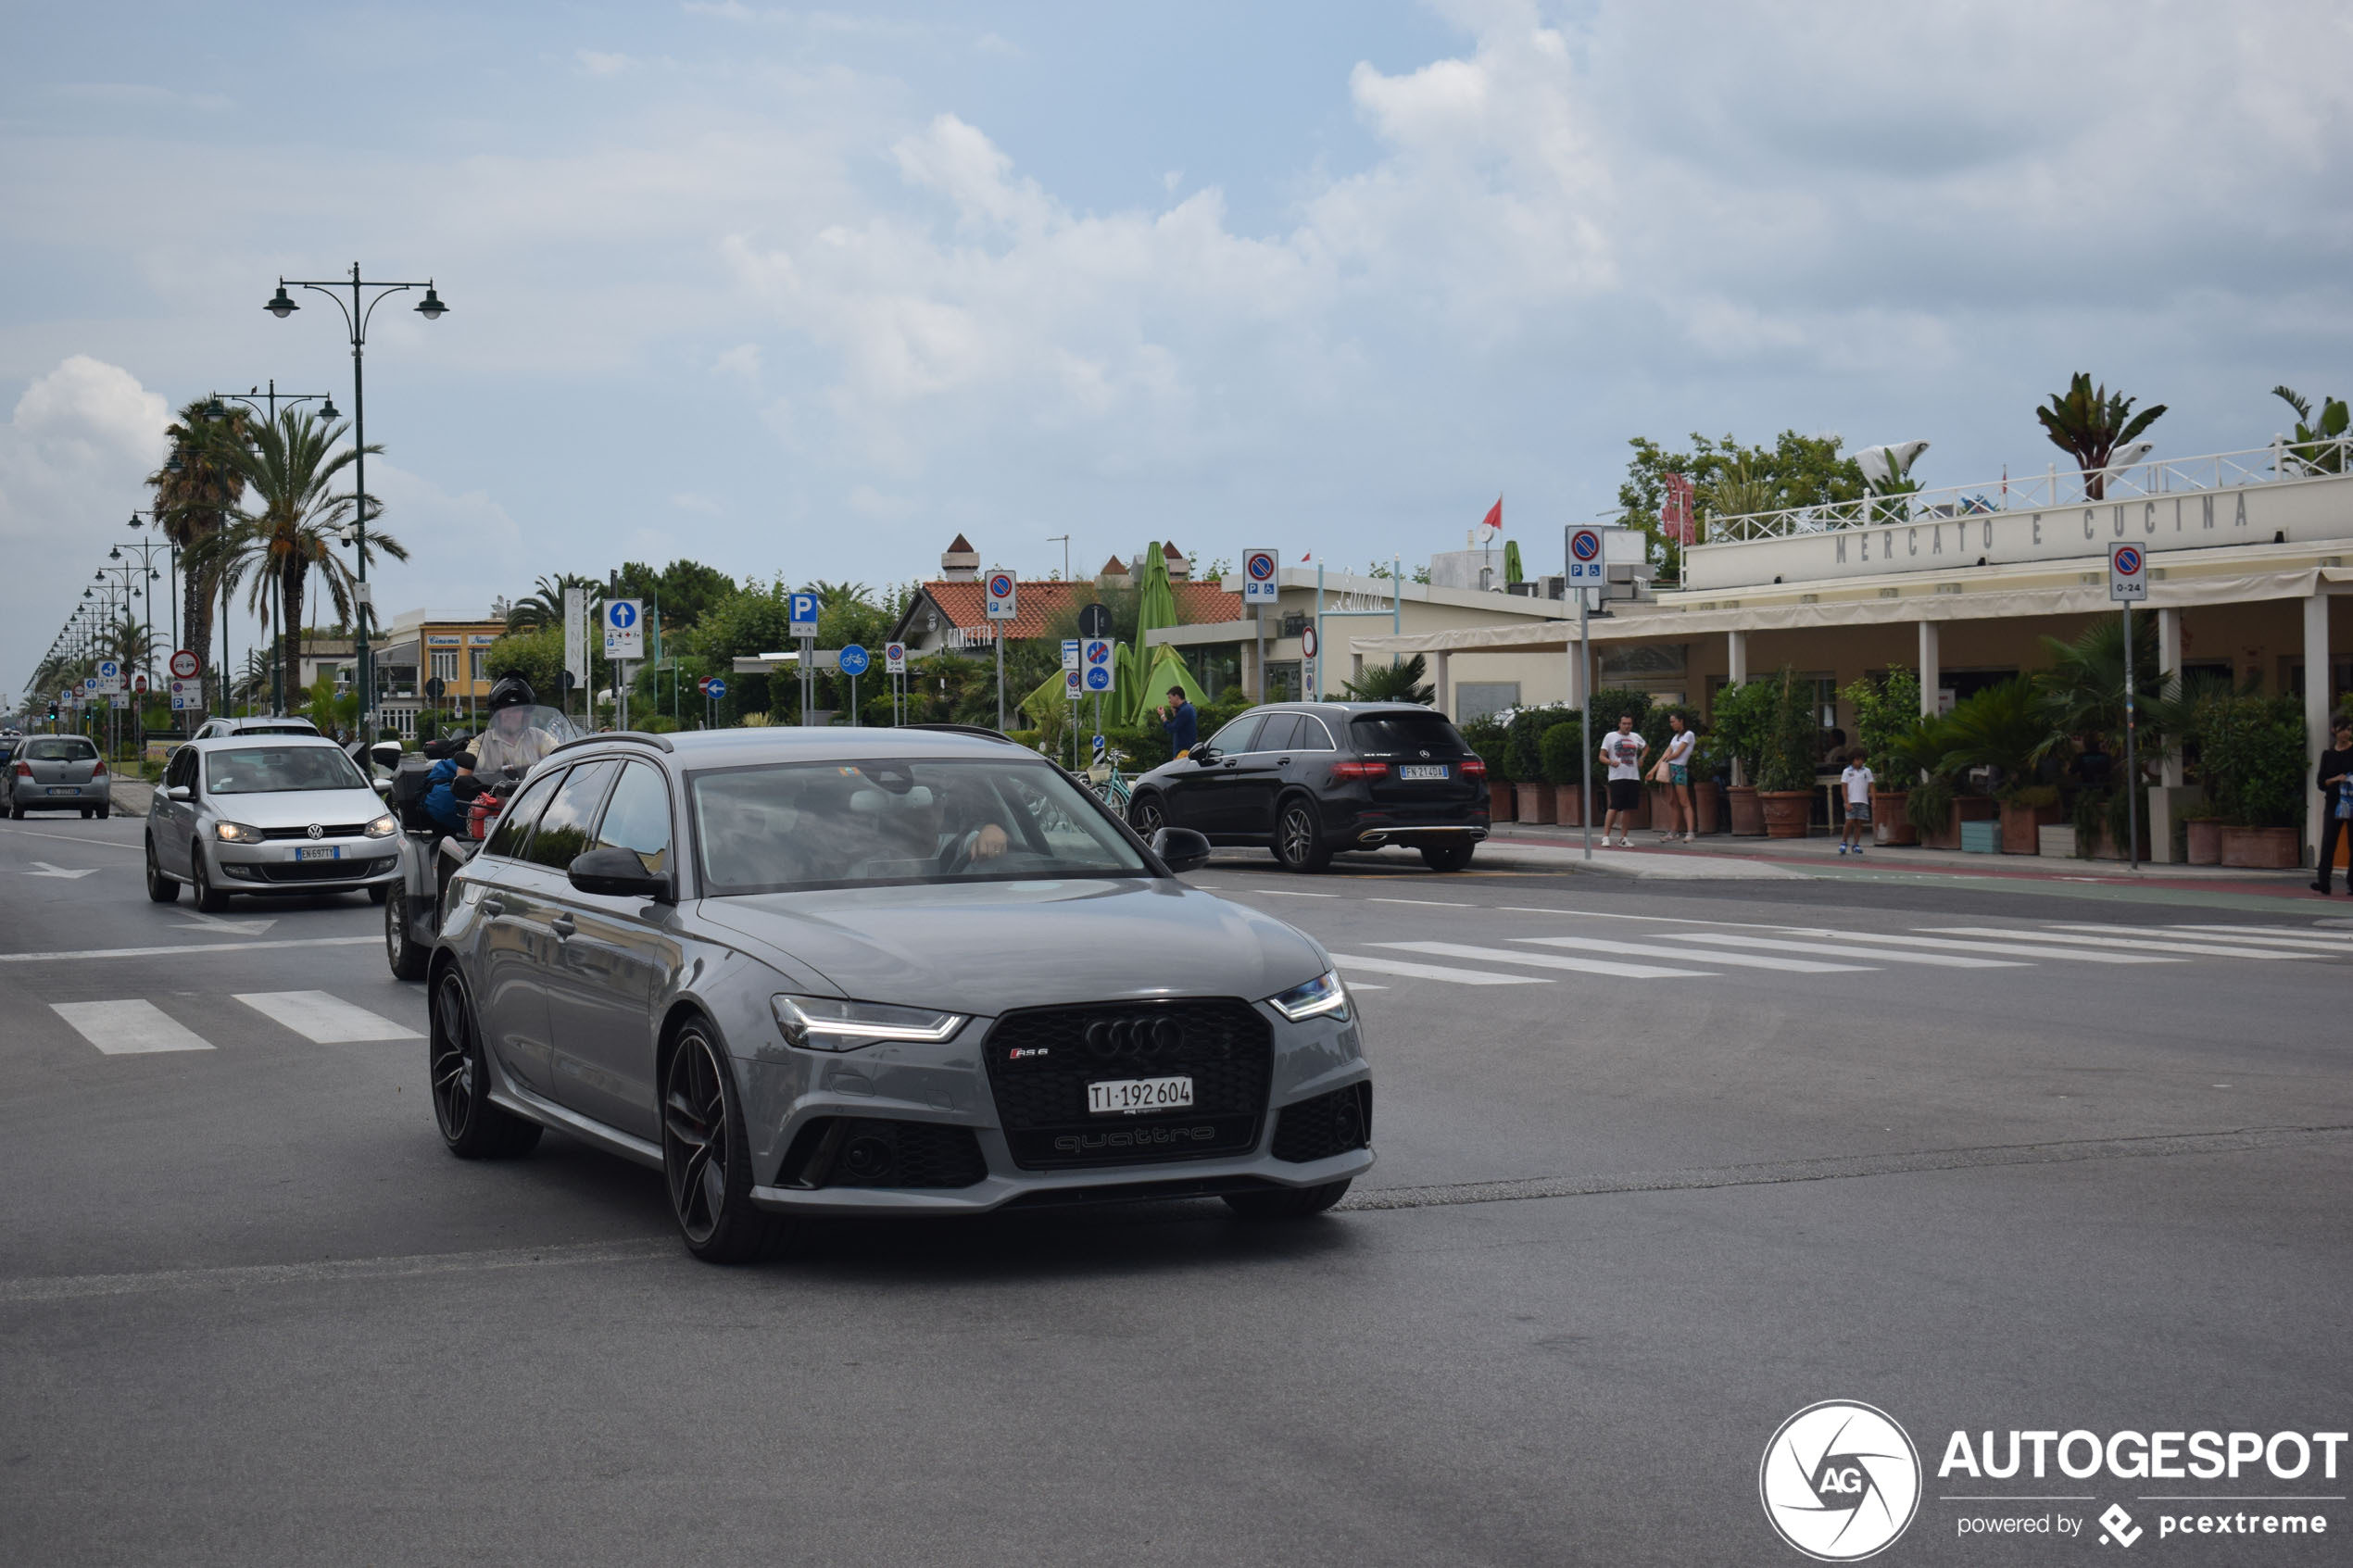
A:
x: 622, y: 614
x: 1585, y: 544
x: 183, y: 664
x: 713, y: 687
x: 1307, y: 641
x: 855, y: 660
x: 138, y: 683
x: 1094, y: 620
x: 1262, y: 567
x: 1098, y: 679
x: 108, y: 669
x: 1000, y: 586
x: 1099, y: 651
x: 895, y: 656
x: 2128, y: 560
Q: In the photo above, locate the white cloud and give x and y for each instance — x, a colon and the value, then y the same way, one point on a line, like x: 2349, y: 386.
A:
x: 596, y: 64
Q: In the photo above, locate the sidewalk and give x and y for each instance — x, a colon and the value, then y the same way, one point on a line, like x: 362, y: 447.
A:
x: 1715, y: 855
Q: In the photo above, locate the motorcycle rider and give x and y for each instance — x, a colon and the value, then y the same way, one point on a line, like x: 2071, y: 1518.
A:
x: 512, y: 743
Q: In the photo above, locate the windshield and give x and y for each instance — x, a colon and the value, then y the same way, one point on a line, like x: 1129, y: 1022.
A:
x: 1403, y: 734
x: 518, y: 737
x: 71, y: 749
x: 788, y: 826
x: 271, y: 770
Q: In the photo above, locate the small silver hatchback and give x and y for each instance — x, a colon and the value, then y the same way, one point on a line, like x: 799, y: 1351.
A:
x: 267, y: 814
x: 56, y: 774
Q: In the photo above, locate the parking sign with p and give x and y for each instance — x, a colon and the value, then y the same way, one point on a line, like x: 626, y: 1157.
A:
x: 1585, y: 564
x: 1260, y: 584
x: 1000, y: 597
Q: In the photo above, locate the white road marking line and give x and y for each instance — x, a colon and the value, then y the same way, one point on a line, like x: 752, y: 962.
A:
x: 2060, y: 939
x: 1846, y: 950
x: 1433, y: 972
x: 1364, y: 986
x: 74, y: 838
x: 2263, y: 934
x: 196, y: 920
x: 1736, y: 961
x: 1548, y: 961
x: 1647, y: 920
x: 2014, y: 949
x: 1283, y: 892
x: 328, y: 1020
x: 131, y: 1028
x: 48, y: 869
x: 190, y: 947
x: 1433, y: 903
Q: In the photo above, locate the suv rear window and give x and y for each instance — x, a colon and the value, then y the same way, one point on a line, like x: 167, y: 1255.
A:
x: 1396, y: 734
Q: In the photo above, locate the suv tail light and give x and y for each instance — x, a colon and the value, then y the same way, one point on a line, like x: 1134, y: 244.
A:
x: 1473, y: 767
x: 1360, y: 770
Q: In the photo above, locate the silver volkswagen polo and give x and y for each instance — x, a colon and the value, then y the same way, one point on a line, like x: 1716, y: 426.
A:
x: 277, y: 813
x: 862, y: 972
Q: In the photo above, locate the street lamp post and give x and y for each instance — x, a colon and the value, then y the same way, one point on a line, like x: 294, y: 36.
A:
x: 147, y: 548
x: 356, y: 318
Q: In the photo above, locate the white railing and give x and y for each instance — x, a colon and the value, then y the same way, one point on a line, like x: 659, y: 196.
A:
x: 2047, y: 491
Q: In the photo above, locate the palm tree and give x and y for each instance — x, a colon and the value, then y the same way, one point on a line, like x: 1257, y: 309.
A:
x: 831, y: 595
x: 2090, y: 424
x: 2318, y: 445
x: 1393, y: 682
x: 544, y: 605
x: 194, y: 502
x: 296, y: 526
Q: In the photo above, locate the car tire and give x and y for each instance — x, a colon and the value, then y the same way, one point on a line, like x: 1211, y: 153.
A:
x: 85, y: 813
x: 402, y: 952
x: 1299, y: 838
x: 1292, y: 1203
x: 105, y: 812
x: 471, y: 1126
x: 208, y: 898
x: 1147, y: 816
x: 161, y: 889
x: 706, y: 1157
x: 1447, y: 856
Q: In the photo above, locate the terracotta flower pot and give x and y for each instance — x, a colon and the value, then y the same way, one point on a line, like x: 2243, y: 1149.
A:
x: 1888, y: 825
x: 1786, y: 811
x: 2204, y: 840
x: 1968, y: 808
x: 1534, y: 803
x: 1569, y: 805
x: 1503, y: 805
x: 1707, y: 802
x: 1747, y: 812
x: 2270, y: 850
x: 2020, y: 825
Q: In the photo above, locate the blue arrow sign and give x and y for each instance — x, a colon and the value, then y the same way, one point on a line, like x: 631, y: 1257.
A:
x: 855, y: 660
x: 716, y: 688
x: 622, y: 613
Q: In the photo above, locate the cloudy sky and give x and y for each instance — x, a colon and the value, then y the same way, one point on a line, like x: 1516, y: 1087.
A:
x: 807, y: 291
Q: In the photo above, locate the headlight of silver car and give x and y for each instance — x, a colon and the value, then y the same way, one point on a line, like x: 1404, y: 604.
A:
x: 383, y: 827
x: 1324, y: 995
x: 827, y: 1023
x: 236, y: 832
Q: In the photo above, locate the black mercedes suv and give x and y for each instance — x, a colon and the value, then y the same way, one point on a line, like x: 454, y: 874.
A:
x: 1309, y: 779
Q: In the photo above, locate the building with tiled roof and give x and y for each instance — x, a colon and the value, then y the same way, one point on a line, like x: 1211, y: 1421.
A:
x: 948, y: 613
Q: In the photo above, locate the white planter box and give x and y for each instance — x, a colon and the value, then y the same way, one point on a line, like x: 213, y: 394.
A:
x: 2055, y: 843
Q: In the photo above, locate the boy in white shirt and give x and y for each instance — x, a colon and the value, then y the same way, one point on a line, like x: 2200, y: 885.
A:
x: 1856, y: 784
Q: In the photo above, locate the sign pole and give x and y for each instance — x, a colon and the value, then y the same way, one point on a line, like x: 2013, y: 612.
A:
x: 1000, y: 678
x: 2131, y: 753
x: 1585, y: 721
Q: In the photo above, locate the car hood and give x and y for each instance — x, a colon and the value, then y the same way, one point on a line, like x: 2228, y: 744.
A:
x: 298, y: 808
x: 986, y: 947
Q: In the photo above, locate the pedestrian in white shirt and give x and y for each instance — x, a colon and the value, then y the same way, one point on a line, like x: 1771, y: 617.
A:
x: 1674, y: 770
x: 1622, y: 753
x: 1856, y: 785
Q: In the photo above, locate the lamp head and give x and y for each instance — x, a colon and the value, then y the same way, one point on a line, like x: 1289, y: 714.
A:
x: 430, y: 308
x: 327, y: 411
x: 282, y: 304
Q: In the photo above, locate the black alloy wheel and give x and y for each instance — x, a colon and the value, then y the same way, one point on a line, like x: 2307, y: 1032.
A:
x: 208, y: 898
x: 401, y: 950
x: 1146, y: 816
x: 1447, y: 856
x: 471, y: 1125
x: 1299, y: 843
x: 160, y: 888
x: 1292, y: 1203
x: 705, y: 1158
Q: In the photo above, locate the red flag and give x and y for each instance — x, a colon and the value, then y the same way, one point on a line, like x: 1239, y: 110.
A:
x: 1494, y: 518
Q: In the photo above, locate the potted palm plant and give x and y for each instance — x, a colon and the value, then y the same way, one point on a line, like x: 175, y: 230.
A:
x: 1561, y: 759
x: 1785, y: 772
x: 2003, y: 729
x: 2252, y: 750
x: 1737, y: 727
x: 1887, y: 716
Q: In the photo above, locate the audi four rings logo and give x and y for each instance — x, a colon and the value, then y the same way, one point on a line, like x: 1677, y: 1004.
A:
x: 1108, y: 1037
x: 316, y: 831
x: 1841, y: 1481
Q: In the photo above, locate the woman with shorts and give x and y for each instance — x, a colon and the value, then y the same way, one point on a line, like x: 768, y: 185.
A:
x: 1674, y: 770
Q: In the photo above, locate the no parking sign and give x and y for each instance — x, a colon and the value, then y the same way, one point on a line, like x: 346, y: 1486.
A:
x: 1259, y: 577
x: 1000, y: 597
x: 1585, y: 564
x: 2128, y: 573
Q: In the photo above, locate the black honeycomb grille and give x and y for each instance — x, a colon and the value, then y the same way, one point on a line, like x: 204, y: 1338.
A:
x: 1041, y: 1059
x: 1329, y: 1124
x: 858, y: 1151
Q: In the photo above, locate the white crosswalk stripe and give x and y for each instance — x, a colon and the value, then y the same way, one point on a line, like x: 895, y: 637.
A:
x: 1354, y: 963
x: 1842, y: 949
x: 1729, y: 961
x: 135, y: 1027
x: 1548, y: 961
x: 2012, y: 950
x: 2060, y: 940
x: 329, y: 1021
x: 2264, y: 934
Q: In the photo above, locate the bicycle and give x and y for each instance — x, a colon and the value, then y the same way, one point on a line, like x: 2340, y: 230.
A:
x: 1109, y: 783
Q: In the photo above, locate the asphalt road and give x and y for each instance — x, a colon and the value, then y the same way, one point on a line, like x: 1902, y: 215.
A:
x: 1623, y: 1225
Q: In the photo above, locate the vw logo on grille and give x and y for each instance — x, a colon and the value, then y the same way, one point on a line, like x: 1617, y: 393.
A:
x: 316, y: 831
x: 1108, y: 1037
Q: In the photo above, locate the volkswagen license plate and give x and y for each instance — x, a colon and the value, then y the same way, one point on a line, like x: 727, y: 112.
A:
x: 1409, y: 772
x: 1122, y: 1095
x: 319, y: 852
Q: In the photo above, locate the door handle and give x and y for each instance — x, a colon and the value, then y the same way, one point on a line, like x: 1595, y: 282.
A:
x: 563, y: 925
x: 492, y: 905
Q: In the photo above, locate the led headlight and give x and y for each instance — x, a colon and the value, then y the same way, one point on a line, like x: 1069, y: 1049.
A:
x: 1324, y: 995
x: 236, y: 832
x: 383, y: 827
x: 827, y: 1023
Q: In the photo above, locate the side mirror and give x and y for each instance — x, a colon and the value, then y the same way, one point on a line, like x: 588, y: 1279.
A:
x: 385, y: 754
x: 1204, y: 754
x: 180, y: 792
x: 1181, y: 849
x: 384, y: 788
x: 618, y: 873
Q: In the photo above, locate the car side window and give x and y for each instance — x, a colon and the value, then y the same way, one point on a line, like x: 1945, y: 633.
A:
x: 1312, y: 735
x: 514, y: 827
x: 638, y: 818
x: 1236, y: 736
x: 1275, y: 734
x: 182, y: 771
x: 562, y: 835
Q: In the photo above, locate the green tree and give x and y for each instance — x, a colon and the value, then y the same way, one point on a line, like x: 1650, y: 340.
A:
x: 192, y: 502
x: 1395, y: 682
x: 2089, y: 424
x: 2318, y: 444
x: 1796, y: 470
x: 544, y: 605
x: 536, y: 655
x: 687, y: 591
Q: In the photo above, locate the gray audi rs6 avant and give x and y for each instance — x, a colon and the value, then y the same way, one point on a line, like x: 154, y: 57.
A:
x: 879, y: 971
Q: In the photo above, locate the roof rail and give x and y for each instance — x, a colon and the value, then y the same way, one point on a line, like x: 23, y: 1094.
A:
x: 983, y: 731
x: 659, y: 743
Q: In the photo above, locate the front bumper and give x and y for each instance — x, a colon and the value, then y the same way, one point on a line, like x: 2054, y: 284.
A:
x: 278, y: 864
